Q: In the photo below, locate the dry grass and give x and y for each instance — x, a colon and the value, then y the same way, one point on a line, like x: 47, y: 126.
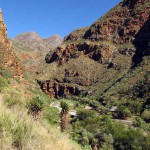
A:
x: 19, y: 131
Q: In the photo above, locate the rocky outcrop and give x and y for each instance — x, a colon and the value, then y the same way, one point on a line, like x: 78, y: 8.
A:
x: 76, y: 35
x: 28, y: 37
x: 142, y: 43
x: 56, y: 90
x: 101, y: 53
x: 121, y: 25
x: 8, y: 60
x: 31, y: 49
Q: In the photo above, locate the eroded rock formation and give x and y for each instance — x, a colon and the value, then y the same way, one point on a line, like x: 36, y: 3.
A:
x: 56, y: 90
x: 101, y: 53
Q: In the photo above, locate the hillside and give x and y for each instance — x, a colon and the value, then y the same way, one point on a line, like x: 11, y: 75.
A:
x: 94, y: 86
x: 104, y: 72
x: 20, y: 128
x: 94, y: 59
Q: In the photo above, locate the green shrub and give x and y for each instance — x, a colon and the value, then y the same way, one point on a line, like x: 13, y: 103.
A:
x: 138, y: 122
x: 52, y: 115
x: 146, y: 115
x: 135, y: 106
x: 123, y: 112
x: 84, y: 114
x: 35, y: 106
x: 107, y: 142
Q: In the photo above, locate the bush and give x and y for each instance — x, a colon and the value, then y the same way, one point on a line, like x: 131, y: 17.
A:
x: 84, y: 114
x: 135, y: 106
x: 146, y: 115
x: 52, y: 115
x: 138, y: 122
x: 35, y: 106
x: 123, y: 112
x: 107, y: 142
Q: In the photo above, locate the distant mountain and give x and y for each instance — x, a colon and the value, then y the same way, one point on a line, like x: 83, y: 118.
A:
x: 27, y: 37
x: 31, y: 50
x: 36, y: 42
x: 54, y: 40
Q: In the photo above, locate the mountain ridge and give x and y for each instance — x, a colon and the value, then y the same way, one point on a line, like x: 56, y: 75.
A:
x: 33, y: 40
x: 109, y: 45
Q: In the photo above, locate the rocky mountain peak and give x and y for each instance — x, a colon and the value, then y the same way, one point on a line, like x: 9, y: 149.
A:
x: 33, y: 40
x: 27, y: 37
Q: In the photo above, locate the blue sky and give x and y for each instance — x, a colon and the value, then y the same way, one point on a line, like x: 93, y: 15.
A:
x: 48, y: 17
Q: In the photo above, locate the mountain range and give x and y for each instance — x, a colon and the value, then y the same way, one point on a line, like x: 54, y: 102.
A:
x: 99, y: 75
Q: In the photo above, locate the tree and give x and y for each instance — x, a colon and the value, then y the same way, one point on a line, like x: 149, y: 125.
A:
x: 146, y: 115
x: 64, y: 115
x: 95, y: 144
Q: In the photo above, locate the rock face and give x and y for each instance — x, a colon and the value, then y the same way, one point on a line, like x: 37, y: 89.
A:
x: 56, y: 90
x: 34, y: 41
x: 8, y: 60
x: 101, y: 53
x: 119, y: 26
x: 75, y: 35
x: 114, y: 44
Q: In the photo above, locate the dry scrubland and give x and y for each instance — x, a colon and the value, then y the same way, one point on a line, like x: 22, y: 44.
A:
x: 18, y: 130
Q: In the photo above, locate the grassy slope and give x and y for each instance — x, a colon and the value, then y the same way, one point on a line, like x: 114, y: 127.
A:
x: 19, y: 130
